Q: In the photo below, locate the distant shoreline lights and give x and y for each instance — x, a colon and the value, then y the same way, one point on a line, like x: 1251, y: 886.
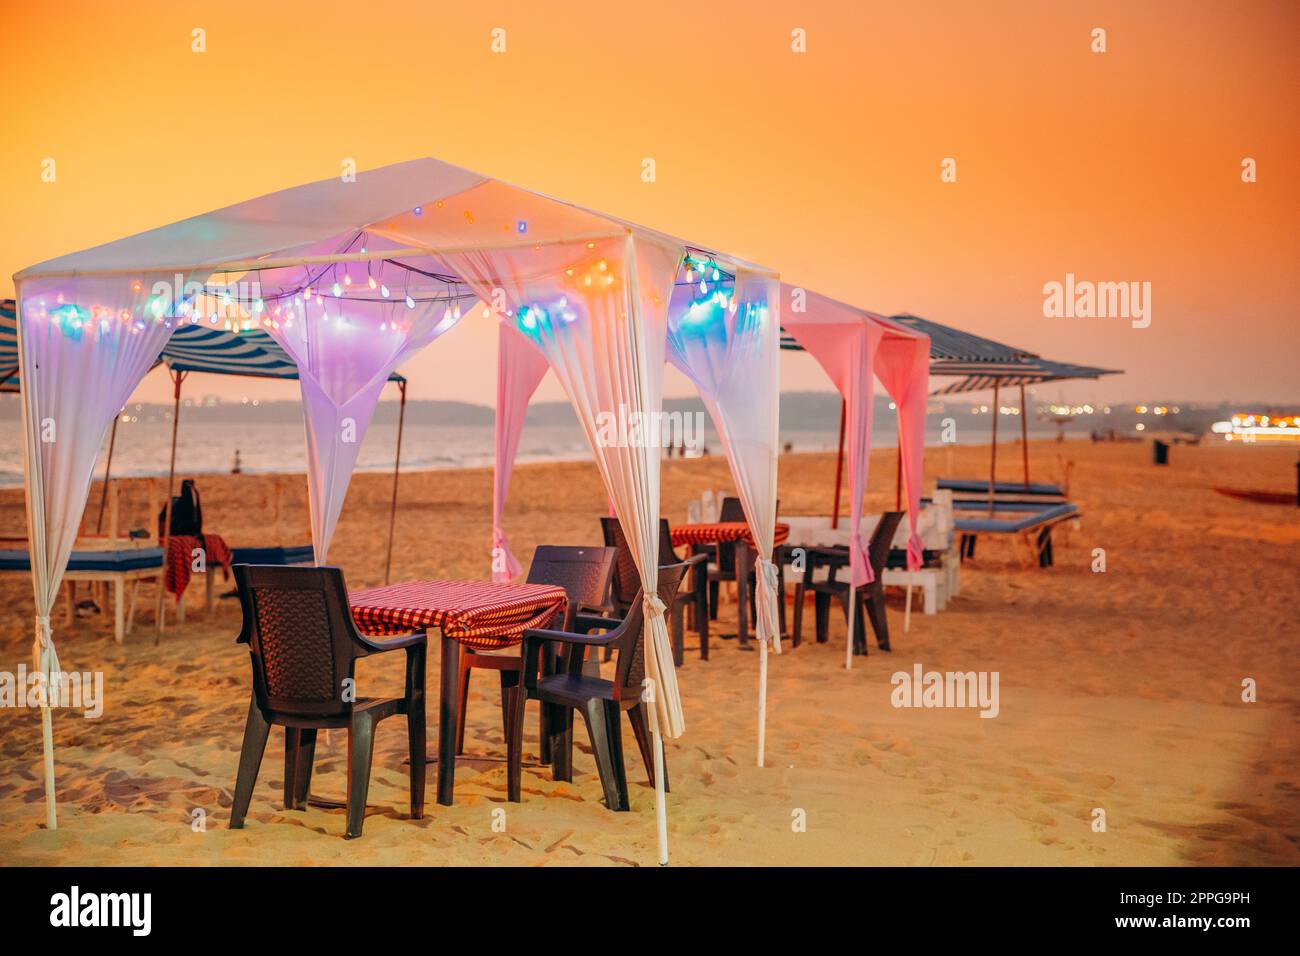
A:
x: 1252, y: 429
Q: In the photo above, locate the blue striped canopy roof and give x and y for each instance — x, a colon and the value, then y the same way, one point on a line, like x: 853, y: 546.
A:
x: 979, y: 362
x: 1032, y: 371
x: 947, y: 346
x: 8, y: 346
x: 192, y: 348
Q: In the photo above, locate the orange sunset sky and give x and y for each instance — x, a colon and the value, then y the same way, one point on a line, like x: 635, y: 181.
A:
x: 824, y: 165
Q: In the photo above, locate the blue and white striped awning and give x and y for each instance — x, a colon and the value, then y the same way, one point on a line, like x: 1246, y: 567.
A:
x: 948, y: 346
x: 1028, y: 372
x: 8, y: 346
x: 192, y: 348
x: 977, y: 362
x: 953, y: 345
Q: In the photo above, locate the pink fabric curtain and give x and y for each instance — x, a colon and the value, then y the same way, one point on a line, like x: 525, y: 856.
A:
x: 903, y: 367
x: 520, y: 369
x: 846, y: 350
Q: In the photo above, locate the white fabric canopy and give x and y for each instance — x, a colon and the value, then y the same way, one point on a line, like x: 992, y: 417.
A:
x: 442, y: 226
x: 591, y: 291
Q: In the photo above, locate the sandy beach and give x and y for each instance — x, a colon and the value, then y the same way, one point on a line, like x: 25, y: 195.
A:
x: 1120, y: 691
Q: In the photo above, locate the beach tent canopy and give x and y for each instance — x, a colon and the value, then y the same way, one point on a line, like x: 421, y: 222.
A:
x: 977, y: 375
x: 192, y: 348
x: 350, y: 276
x: 1031, y: 371
x: 853, y: 345
x: 949, y: 345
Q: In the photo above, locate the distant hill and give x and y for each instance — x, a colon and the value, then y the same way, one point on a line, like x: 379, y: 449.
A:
x: 800, y: 411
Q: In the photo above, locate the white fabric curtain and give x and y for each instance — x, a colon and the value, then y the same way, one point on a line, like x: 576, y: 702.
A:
x: 83, y: 348
x: 598, y: 311
x: 727, y: 342
x: 729, y: 347
x: 520, y: 369
x: 346, y: 340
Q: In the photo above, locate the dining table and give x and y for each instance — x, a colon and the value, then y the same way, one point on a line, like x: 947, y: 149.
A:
x: 483, y: 615
x: 716, y: 535
x: 179, y: 566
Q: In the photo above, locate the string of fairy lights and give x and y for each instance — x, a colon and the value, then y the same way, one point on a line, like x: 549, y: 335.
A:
x: 244, y: 306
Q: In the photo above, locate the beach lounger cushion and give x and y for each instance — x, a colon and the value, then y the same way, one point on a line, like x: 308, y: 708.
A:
x: 977, y: 504
x: 280, y: 555
x: 131, y: 559
x: 1024, y: 523
x: 975, y: 486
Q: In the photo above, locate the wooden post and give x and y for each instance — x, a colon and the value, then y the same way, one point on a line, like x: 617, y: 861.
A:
x: 898, y: 478
x: 839, y: 465
x: 1024, y: 434
x: 177, y: 379
x: 108, y: 467
x: 397, y: 467
x: 993, y: 458
x: 115, y: 515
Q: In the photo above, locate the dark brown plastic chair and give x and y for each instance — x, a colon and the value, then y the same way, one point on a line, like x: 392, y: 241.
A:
x: 599, y: 701
x: 723, y: 567
x: 304, y: 646
x: 871, y: 597
x: 627, y: 586
x: 584, y: 573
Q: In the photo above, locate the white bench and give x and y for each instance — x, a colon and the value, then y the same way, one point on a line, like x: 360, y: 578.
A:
x: 937, y: 532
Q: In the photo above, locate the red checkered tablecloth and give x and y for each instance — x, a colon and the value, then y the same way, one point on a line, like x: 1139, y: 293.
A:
x: 722, y: 531
x: 479, y: 614
x: 180, y: 558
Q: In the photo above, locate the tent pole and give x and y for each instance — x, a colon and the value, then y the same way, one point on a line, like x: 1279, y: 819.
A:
x: 1024, y: 435
x: 177, y: 378
x: 839, y: 465
x: 762, y: 700
x: 853, y: 607
x: 993, y: 457
x: 397, y: 465
x: 47, y: 742
x: 898, y: 478
x: 108, y: 467
x: 661, y: 807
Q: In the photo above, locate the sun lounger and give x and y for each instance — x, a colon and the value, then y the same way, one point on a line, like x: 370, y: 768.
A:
x: 969, y: 486
x: 1028, y: 524
x: 115, y: 567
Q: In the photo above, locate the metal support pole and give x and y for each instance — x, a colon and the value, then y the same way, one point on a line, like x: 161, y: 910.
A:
x: 397, y: 466
x: 839, y: 465
x: 177, y: 379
